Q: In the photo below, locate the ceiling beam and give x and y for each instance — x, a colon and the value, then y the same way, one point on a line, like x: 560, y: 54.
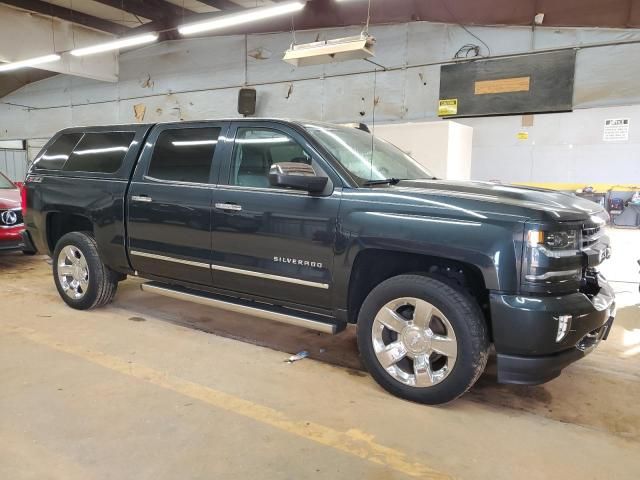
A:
x: 18, y: 23
x: 73, y: 16
x: 222, y: 4
x: 151, y: 9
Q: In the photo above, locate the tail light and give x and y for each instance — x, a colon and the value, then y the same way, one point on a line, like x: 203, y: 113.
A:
x: 23, y: 198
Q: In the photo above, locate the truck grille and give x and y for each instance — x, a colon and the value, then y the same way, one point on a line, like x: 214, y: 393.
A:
x: 590, y: 235
x: 10, y: 218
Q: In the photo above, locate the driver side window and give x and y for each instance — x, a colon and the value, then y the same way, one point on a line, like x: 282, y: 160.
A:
x: 256, y: 149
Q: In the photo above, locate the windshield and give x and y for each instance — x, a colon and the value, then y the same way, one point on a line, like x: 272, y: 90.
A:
x: 368, y: 158
x: 5, y: 183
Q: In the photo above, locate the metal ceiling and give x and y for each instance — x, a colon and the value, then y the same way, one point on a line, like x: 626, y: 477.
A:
x: 121, y: 17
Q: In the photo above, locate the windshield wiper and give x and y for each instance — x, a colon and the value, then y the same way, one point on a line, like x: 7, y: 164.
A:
x: 386, y: 181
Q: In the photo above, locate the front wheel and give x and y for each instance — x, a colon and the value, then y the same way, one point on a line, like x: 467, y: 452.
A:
x: 422, y: 339
x: 82, y: 280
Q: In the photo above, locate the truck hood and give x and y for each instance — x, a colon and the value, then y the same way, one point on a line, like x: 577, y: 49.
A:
x: 535, y: 203
x: 9, y: 198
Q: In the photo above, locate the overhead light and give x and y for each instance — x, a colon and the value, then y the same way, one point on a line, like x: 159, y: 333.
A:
x: 339, y: 49
x: 31, y: 62
x: 233, y: 19
x: 115, y: 45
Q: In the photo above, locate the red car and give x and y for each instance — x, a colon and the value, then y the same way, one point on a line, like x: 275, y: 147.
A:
x: 11, y: 224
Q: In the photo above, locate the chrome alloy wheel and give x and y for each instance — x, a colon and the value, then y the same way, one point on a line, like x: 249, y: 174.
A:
x: 414, y: 342
x: 73, y: 272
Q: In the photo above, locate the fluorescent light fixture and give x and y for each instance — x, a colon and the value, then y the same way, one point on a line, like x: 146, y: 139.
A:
x: 31, y: 62
x: 336, y: 50
x: 233, y: 19
x: 115, y: 45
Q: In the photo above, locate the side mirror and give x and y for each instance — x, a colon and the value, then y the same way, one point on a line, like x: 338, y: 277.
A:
x: 298, y: 176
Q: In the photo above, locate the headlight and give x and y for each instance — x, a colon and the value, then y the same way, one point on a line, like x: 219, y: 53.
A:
x: 554, y: 240
x: 552, y: 260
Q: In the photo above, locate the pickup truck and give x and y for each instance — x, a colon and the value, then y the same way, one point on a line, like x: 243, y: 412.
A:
x: 321, y: 226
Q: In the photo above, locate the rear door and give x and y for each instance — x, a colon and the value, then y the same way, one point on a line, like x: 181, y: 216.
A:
x: 273, y: 242
x: 169, y: 202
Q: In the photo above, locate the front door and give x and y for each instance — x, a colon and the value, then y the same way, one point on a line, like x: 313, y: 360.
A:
x: 267, y: 241
x: 169, y: 202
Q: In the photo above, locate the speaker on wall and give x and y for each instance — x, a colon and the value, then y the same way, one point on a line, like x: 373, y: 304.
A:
x: 247, y: 101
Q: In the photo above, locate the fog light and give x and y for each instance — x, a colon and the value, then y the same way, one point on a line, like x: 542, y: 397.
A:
x: 564, y: 323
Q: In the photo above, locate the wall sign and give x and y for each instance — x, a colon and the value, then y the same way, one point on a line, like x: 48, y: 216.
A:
x: 523, y: 84
x: 616, y: 129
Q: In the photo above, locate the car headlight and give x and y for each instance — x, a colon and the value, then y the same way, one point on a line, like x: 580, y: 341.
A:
x: 552, y: 260
x: 554, y: 240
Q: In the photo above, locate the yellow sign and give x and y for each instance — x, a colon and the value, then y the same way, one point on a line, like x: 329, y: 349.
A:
x: 504, y: 85
x: 448, y: 106
x: 522, y: 135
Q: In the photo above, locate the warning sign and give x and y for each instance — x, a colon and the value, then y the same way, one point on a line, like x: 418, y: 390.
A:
x: 616, y: 129
x: 448, y: 106
x: 522, y: 135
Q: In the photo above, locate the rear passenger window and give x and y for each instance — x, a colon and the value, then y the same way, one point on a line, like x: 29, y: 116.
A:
x: 100, y: 152
x: 184, y: 154
x: 58, y: 153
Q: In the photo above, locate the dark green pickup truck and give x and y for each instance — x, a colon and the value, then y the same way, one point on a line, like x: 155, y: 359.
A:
x: 319, y: 226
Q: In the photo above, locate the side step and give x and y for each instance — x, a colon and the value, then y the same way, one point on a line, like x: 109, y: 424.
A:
x: 268, y: 312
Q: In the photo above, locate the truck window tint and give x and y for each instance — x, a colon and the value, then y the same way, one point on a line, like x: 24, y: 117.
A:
x: 100, y: 152
x: 184, y: 154
x: 58, y: 153
x: 256, y: 149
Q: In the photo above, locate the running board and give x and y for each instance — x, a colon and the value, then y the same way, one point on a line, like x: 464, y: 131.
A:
x: 268, y: 312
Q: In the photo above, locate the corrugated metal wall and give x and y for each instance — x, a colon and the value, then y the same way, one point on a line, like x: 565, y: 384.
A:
x: 199, y: 78
x: 13, y: 163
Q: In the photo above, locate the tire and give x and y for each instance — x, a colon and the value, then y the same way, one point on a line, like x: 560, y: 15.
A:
x: 441, y: 330
x: 97, y: 285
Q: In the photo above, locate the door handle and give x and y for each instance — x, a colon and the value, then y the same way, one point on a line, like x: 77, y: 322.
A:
x: 230, y: 207
x: 141, y: 198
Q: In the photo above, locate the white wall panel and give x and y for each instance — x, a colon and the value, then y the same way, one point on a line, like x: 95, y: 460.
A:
x: 305, y: 100
x: 562, y: 147
x: 607, y: 76
x: 52, y: 93
x: 85, y: 115
x: 13, y: 163
x: 421, y: 92
x: 183, y: 65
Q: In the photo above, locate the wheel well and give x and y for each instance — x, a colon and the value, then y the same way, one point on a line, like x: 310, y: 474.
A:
x: 59, y: 224
x: 373, y: 266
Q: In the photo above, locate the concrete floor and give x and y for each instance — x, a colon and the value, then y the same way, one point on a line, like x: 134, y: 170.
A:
x: 142, y: 389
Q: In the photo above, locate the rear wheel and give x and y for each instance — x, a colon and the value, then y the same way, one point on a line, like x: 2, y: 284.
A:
x: 422, y: 339
x: 82, y: 280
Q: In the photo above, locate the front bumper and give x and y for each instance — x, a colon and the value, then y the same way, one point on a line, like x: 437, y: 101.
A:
x: 11, y: 238
x: 524, y: 332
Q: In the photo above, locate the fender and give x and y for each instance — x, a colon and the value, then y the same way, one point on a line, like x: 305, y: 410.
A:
x: 491, y: 244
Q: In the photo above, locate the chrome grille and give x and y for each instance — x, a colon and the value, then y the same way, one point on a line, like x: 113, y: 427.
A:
x: 590, y: 235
